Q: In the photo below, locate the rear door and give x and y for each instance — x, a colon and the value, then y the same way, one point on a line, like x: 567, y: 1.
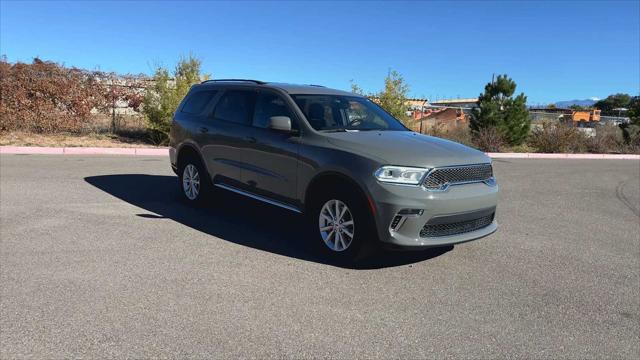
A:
x: 191, y: 117
x: 227, y: 135
x: 272, y: 156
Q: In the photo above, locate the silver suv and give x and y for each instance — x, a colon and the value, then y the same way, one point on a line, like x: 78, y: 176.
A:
x: 356, y: 172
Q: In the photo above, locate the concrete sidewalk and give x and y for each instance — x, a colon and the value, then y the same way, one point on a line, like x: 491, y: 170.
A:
x: 165, y: 152
x: 83, y: 150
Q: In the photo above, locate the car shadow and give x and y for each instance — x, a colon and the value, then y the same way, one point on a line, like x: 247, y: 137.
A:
x: 238, y: 219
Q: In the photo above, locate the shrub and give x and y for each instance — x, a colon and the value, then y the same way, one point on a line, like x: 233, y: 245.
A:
x: 489, y: 139
x: 119, y: 90
x: 46, y: 97
x: 608, y: 139
x: 460, y: 134
x: 631, y: 135
x: 558, y: 138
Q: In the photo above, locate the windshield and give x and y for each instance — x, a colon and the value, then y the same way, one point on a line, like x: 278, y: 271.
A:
x: 343, y: 113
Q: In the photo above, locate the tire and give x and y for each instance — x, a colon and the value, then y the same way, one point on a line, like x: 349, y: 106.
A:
x: 331, y: 238
x: 194, y: 182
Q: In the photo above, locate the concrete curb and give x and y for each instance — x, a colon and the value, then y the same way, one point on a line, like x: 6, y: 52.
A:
x: 84, y: 150
x: 165, y: 152
x: 563, y: 156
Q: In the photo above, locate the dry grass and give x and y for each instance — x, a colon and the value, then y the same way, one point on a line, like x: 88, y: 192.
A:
x: 131, y: 132
x: 18, y: 138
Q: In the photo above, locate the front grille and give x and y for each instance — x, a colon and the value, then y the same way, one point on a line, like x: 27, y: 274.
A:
x: 455, y: 228
x: 441, y: 178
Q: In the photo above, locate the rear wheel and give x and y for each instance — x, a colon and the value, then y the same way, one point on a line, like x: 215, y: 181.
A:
x: 194, y: 183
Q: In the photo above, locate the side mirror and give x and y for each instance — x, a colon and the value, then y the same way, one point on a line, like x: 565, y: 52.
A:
x: 280, y: 123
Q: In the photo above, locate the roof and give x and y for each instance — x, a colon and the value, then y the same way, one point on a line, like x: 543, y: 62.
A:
x: 551, y: 110
x: 310, y: 89
x: 452, y: 101
x: 289, y: 88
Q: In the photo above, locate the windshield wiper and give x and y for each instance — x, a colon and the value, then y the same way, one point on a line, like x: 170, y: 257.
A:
x: 334, y: 130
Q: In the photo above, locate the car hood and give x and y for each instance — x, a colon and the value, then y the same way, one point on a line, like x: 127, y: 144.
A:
x: 407, y: 148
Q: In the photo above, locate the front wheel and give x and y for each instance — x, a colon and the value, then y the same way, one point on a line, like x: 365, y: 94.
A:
x: 341, y: 225
x: 336, y: 225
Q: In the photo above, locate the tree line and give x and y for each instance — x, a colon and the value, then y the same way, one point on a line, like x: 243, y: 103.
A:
x: 47, y: 97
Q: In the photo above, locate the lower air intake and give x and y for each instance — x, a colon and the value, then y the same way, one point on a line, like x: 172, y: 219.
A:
x: 456, y: 228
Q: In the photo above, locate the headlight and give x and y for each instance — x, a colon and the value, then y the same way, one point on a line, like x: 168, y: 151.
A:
x: 401, y: 175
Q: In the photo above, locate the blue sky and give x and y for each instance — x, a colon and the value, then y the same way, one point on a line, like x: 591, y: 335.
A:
x: 554, y: 50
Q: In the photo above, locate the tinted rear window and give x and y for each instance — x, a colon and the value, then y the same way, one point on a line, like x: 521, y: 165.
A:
x: 236, y: 106
x: 196, y: 102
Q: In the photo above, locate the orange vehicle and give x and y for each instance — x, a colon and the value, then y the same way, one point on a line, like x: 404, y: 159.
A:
x: 585, y: 115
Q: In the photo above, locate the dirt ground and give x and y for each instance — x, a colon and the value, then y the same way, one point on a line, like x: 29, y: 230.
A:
x: 71, y: 140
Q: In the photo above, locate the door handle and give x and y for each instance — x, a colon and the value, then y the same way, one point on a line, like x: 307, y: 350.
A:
x: 250, y: 139
x: 203, y: 130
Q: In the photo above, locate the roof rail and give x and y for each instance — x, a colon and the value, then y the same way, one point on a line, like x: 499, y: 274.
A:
x: 316, y: 85
x: 230, y: 80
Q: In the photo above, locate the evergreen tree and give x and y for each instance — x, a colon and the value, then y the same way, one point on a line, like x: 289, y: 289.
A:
x: 497, y: 108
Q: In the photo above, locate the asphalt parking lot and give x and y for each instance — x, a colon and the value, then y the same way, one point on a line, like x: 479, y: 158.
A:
x: 99, y: 259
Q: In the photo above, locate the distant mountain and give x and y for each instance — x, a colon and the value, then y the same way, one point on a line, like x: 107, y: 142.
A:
x: 585, y: 103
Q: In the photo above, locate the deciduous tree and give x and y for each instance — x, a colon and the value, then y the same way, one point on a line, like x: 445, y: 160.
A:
x: 611, y: 102
x: 392, y: 98
x: 162, y: 99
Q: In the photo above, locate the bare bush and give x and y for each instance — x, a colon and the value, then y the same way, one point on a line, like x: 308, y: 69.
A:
x: 489, y: 139
x: 608, y: 139
x: 460, y: 134
x: 120, y: 91
x: 558, y: 138
x: 45, y: 97
x: 631, y: 135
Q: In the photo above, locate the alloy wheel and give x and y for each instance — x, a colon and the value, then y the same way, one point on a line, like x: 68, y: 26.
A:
x: 336, y: 225
x: 191, y: 182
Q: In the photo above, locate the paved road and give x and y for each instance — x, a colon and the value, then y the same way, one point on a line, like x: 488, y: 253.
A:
x: 98, y: 259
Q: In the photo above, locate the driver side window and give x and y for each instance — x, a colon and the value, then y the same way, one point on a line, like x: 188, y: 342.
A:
x: 356, y: 113
x: 269, y: 105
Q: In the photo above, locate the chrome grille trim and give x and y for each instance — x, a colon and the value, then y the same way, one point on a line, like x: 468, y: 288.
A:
x: 440, y: 178
x: 456, y: 228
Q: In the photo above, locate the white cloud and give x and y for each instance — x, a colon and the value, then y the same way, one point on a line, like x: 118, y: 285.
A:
x: 595, y: 98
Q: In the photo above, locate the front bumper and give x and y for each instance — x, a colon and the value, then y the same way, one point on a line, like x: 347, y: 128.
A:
x: 458, y: 202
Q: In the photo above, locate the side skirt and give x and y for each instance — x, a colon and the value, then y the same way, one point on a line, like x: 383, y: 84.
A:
x: 258, y: 197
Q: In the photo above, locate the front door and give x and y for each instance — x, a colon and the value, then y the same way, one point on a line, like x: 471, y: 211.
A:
x: 273, y: 155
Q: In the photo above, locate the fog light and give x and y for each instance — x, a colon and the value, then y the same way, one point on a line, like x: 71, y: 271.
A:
x: 395, y: 222
x: 402, y: 216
